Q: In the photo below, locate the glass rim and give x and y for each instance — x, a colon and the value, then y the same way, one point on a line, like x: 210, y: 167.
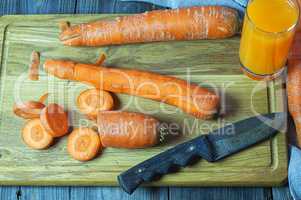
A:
x: 280, y: 32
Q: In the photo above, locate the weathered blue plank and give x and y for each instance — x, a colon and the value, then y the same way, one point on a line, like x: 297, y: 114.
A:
x: 36, y: 6
x: 134, y: 7
x: 8, y: 7
x: 95, y: 6
x: 9, y: 193
x: 281, y: 193
x: 112, y: 6
x: 44, y: 193
x: 219, y: 193
x: 105, y: 193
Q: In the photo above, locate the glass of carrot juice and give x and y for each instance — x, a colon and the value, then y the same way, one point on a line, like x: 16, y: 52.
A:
x: 268, y: 31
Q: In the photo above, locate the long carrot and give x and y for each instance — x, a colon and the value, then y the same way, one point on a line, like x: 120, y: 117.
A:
x: 189, y: 97
x: 127, y: 129
x: 207, y: 22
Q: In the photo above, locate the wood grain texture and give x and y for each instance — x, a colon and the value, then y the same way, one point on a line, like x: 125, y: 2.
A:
x: 36, y: 7
x: 104, y: 193
x: 239, y: 97
x: 9, y: 193
x: 281, y: 193
x: 112, y: 6
x: 44, y: 193
x: 219, y: 193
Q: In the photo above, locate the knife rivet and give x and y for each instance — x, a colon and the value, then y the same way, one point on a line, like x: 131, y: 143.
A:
x: 191, y: 148
x: 140, y: 170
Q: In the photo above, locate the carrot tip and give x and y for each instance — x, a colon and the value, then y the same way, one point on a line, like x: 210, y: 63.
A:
x: 101, y: 58
x: 63, y: 25
x: 34, y: 66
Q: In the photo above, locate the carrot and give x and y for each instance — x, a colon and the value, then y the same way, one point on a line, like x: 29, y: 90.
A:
x: 44, y: 97
x: 127, y: 129
x: 35, y: 136
x: 55, y: 120
x: 83, y: 144
x: 189, y: 97
x: 90, y: 101
x: 293, y: 84
x: 100, y: 60
x: 206, y: 22
x: 34, y: 66
x: 28, y: 110
x: 63, y: 25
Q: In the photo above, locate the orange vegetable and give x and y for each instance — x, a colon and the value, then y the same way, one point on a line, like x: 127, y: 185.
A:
x: 43, y: 98
x: 83, y: 144
x: 28, y: 110
x: 34, y: 66
x: 293, y: 84
x: 127, y: 129
x: 55, y: 120
x: 100, y: 59
x: 35, y: 136
x: 207, y: 22
x: 90, y: 101
x: 189, y: 97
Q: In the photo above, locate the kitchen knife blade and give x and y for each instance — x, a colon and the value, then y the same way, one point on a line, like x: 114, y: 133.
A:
x: 212, y: 147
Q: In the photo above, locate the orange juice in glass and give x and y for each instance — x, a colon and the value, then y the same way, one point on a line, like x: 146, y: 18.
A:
x: 268, y: 31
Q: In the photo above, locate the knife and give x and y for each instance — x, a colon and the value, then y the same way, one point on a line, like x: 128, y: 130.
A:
x: 212, y: 147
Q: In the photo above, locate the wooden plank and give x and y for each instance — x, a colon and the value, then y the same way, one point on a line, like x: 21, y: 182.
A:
x: 213, y: 64
x: 87, y: 193
x: 37, y: 7
x: 95, y: 6
x: 219, y: 193
x: 112, y: 6
x: 134, y: 7
x: 281, y: 193
x: 9, y: 193
x: 8, y: 7
x: 44, y: 193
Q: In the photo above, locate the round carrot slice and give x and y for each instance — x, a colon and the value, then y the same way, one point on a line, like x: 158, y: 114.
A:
x: 28, y: 109
x: 83, y: 144
x: 55, y: 120
x: 35, y: 136
x: 90, y: 101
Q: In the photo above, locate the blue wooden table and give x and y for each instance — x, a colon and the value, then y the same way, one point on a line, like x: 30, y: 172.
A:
x: 93, y: 193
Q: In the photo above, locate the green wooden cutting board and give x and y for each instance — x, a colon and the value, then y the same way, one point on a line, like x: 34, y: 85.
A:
x: 212, y: 64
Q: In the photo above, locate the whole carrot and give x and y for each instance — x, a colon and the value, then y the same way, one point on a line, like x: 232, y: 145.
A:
x: 206, y: 22
x: 189, y: 97
x: 127, y: 129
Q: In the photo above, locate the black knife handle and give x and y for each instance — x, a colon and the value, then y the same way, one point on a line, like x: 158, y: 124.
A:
x: 160, y: 164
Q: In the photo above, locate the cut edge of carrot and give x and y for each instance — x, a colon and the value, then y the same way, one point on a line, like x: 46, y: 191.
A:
x: 34, y: 66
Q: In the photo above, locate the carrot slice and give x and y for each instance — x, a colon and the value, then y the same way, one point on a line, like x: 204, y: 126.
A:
x: 34, y: 66
x: 90, y: 101
x: 83, y: 144
x: 44, y: 97
x: 28, y: 110
x: 55, y: 120
x: 100, y: 60
x: 35, y: 136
